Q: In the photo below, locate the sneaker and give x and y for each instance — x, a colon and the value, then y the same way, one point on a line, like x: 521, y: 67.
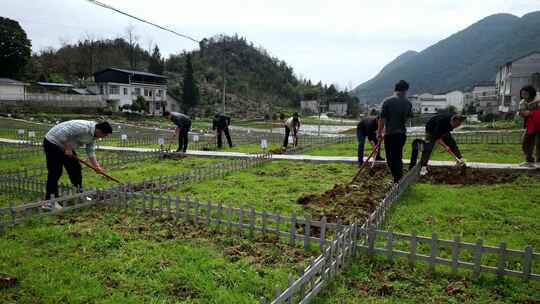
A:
x: 423, y: 171
x: 51, y: 206
x: 527, y: 165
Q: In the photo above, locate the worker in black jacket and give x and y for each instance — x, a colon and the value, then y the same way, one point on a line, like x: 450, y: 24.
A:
x: 221, y: 123
x: 439, y: 128
x: 183, y: 125
x: 367, y: 127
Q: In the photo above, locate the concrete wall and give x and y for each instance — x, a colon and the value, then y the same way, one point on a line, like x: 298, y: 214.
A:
x: 11, y: 92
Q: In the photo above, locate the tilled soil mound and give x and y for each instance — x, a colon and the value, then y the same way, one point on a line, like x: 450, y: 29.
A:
x: 353, y: 201
x: 469, y: 176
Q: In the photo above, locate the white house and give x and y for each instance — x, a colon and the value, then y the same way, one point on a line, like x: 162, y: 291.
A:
x: 455, y: 99
x: 12, y: 90
x: 515, y: 74
x: 309, y: 106
x: 340, y: 108
x: 485, y: 97
x: 431, y: 104
x: 121, y: 87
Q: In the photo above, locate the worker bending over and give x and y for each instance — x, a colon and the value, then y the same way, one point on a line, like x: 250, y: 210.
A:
x: 221, y: 123
x: 183, y: 125
x: 59, y: 146
x: 438, y: 129
x: 291, y: 124
x: 367, y: 127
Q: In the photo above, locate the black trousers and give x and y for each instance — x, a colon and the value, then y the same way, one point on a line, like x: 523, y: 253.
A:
x: 220, y: 139
x: 287, y: 133
x: 393, y: 145
x: 183, y: 138
x: 56, y: 160
x: 361, y: 143
x: 431, y: 141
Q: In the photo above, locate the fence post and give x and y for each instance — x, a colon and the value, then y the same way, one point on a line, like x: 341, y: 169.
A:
x: 455, y: 254
x: 477, y: 259
x: 208, y: 213
x: 501, y: 260
x: 251, y: 222
x: 264, y: 223
x: 371, y: 240
x: 292, y: 235
x: 219, y: 214
x: 433, y: 253
x: 322, y: 241
x: 527, y: 262
x: 307, y: 231
x: 390, y: 245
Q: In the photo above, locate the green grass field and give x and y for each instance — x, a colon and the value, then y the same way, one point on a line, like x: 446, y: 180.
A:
x: 103, y: 256
x: 274, y: 187
x: 486, y: 153
x: 107, y: 256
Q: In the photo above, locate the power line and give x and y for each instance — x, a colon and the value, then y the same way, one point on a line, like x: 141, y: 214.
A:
x: 142, y: 20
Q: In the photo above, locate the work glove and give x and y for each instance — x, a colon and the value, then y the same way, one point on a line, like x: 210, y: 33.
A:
x: 423, y: 171
x: 461, y: 162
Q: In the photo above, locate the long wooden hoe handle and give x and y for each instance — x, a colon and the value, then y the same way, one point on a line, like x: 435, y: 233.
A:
x: 96, y: 170
x: 375, y: 149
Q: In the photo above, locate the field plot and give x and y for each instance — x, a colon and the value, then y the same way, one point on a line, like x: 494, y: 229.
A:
x: 103, y: 256
x: 487, y: 153
x: 214, y: 230
x: 497, y: 207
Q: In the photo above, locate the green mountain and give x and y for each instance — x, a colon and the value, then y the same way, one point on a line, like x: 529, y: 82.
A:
x: 459, y: 61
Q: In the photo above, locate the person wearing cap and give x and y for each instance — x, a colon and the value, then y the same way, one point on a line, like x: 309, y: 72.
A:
x: 59, y: 146
x: 395, y: 112
x: 220, y: 124
x: 291, y: 124
x: 183, y: 125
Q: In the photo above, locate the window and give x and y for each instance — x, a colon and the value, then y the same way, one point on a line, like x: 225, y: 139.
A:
x: 138, y: 91
x: 101, y: 89
x: 114, y: 90
x: 125, y: 91
x: 159, y: 93
x: 146, y: 92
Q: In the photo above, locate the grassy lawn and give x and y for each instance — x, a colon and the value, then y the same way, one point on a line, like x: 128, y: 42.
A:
x: 103, y: 256
x: 379, y: 281
x: 501, y: 212
x: 275, y: 187
x: 487, y: 153
x: 129, y: 172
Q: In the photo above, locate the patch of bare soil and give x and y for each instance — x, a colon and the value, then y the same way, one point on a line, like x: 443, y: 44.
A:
x: 352, y: 201
x: 7, y: 281
x: 174, y: 156
x: 470, y: 176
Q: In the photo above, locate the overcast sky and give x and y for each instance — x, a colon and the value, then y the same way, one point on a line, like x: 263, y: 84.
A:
x: 341, y: 41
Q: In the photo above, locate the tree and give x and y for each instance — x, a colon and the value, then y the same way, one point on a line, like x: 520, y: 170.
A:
x: 156, y: 64
x: 15, y: 48
x: 449, y: 110
x: 190, y: 90
x: 140, y: 105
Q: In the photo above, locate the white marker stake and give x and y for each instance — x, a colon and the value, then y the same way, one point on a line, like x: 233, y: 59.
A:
x: 195, y: 138
x: 20, y: 132
x: 161, y: 141
x: 264, y: 144
x: 124, y: 137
